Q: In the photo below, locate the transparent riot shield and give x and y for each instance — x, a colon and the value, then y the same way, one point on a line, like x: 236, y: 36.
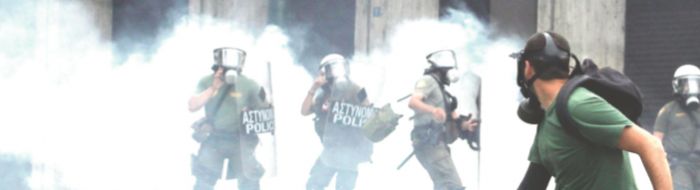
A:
x: 258, y: 141
x: 466, y: 152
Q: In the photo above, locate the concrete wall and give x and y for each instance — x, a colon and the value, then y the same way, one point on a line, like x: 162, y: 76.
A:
x: 250, y: 14
x: 375, y: 19
x: 516, y: 19
x: 594, y: 28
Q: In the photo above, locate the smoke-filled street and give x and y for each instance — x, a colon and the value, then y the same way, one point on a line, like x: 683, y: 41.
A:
x: 98, y: 94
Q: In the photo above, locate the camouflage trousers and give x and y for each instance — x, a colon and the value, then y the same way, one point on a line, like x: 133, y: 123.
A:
x: 435, y: 157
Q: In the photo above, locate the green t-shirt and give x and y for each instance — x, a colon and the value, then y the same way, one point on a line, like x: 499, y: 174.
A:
x: 576, y: 164
x: 244, y: 94
x: 679, y: 132
x: 429, y: 88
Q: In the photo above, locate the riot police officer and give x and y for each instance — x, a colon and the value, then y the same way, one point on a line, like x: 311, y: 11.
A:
x: 344, y: 145
x: 224, y: 94
x: 677, y: 127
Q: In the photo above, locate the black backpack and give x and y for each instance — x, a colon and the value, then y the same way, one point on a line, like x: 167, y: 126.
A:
x: 611, y: 85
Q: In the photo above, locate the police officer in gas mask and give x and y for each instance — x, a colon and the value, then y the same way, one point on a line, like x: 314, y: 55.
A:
x: 678, y: 128
x: 435, y: 120
x: 344, y: 147
x: 223, y: 95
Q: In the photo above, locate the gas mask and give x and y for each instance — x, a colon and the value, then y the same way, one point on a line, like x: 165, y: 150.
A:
x: 549, y: 55
x: 529, y: 109
x: 231, y: 59
x: 446, y: 62
x: 687, y: 89
x: 231, y: 76
x: 334, y: 67
x: 690, y: 91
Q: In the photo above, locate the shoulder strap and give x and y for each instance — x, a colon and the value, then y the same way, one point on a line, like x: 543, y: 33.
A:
x: 450, y: 137
x: 562, y: 107
x: 219, y: 101
x: 444, y: 97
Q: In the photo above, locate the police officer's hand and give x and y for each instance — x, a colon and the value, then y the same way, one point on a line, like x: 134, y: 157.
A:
x: 320, y: 81
x: 470, y: 125
x: 439, y: 115
x: 218, y: 80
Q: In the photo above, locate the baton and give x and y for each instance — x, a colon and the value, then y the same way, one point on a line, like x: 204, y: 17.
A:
x: 406, y: 160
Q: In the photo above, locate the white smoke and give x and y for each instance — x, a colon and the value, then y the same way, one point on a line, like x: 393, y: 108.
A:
x: 88, y: 124
x: 392, y: 72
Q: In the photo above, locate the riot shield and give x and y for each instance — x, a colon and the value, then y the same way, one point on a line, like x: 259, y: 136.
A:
x: 467, y: 154
x: 344, y: 143
x: 257, y: 137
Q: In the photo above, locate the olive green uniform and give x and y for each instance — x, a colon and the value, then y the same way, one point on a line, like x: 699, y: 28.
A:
x: 680, y: 138
x: 428, y: 138
x: 343, y: 147
x: 593, y: 163
x: 226, y: 140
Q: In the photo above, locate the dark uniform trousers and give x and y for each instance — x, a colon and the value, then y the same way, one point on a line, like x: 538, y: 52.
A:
x: 242, y: 165
x: 685, y: 171
x: 321, y: 176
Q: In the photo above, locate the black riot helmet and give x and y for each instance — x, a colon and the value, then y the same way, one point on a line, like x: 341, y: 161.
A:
x: 549, y: 54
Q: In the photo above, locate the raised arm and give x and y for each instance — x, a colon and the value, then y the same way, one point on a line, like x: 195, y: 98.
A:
x: 309, y: 99
x: 198, y: 100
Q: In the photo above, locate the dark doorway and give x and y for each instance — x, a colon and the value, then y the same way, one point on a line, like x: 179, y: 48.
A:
x: 316, y: 28
x: 660, y: 36
x: 137, y: 25
x: 479, y: 8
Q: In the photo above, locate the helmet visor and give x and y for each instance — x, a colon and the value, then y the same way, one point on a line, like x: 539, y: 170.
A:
x: 443, y: 59
x: 334, y: 67
x: 230, y: 58
x: 689, y: 85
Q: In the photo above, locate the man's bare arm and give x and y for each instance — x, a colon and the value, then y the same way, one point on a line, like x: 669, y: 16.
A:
x: 649, y: 148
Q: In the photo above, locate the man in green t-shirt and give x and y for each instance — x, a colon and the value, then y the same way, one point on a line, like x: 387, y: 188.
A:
x: 677, y: 126
x: 596, y: 161
x: 344, y: 146
x: 224, y: 95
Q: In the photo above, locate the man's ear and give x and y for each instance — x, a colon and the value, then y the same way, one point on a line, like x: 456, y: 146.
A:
x: 529, y: 70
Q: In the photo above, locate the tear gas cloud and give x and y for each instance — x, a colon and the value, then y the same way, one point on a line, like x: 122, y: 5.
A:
x: 85, y: 123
